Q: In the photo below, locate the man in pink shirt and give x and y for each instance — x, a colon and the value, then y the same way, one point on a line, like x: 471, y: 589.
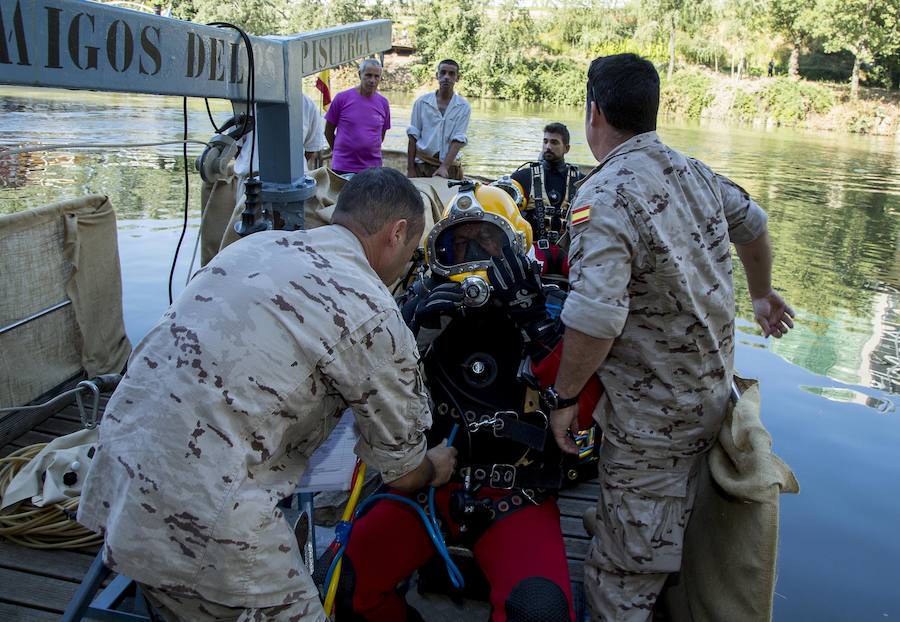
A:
x: 361, y: 116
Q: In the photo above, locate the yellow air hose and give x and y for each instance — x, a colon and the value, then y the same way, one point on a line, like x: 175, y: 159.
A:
x: 48, y: 527
x: 359, y: 478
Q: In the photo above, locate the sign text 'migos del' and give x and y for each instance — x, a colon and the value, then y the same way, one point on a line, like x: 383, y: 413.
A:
x: 70, y: 44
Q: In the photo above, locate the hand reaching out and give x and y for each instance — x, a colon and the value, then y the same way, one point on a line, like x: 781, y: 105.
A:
x: 773, y: 314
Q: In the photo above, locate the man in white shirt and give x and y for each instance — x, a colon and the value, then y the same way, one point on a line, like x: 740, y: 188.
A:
x: 313, y: 142
x: 437, y: 129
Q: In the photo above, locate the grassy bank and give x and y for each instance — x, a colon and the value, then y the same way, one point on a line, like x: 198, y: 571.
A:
x: 691, y: 93
x: 781, y: 102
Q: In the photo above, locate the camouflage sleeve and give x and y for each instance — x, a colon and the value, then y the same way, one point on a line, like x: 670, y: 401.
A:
x: 376, y: 371
x: 600, y: 259
x: 746, y: 219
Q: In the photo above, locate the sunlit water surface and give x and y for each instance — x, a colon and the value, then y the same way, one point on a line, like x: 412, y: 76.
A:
x: 830, y: 389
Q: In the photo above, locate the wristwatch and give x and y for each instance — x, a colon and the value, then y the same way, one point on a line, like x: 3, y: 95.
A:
x: 555, y: 401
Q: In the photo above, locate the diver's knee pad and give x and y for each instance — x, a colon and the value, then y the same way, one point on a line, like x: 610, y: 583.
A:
x: 537, y: 599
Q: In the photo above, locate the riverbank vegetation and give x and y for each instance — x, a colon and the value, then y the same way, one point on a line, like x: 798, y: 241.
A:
x: 829, y: 64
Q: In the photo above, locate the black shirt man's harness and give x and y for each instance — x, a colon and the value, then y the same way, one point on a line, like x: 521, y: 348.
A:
x: 556, y: 215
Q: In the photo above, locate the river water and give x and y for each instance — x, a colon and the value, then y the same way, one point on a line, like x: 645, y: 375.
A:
x: 830, y: 388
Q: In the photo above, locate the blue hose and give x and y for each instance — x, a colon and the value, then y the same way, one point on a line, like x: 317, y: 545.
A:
x: 342, y: 532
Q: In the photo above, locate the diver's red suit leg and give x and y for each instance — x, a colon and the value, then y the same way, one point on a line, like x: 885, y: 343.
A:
x: 386, y: 546
x: 523, y: 557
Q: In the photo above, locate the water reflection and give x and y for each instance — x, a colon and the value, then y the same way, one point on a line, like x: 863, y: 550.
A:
x: 851, y: 396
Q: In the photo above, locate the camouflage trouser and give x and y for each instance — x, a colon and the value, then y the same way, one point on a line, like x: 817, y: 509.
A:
x: 638, y: 531
x: 180, y: 609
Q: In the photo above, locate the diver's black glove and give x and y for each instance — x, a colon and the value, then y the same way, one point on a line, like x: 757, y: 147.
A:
x: 517, y: 283
x: 445, y: 300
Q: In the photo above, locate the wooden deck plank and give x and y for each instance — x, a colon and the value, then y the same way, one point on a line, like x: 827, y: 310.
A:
x: 574, y: 507
x: 14, y: 424
x: 69, y: 413
x: 576, y: 571
x: 58, y: 427
x: 30, y: 590
x: 588, y: 491
x: 16, y: 613
x: 64, y: 565
x: 30, y: 438
x: 572, y: 527
x: 577, y: 548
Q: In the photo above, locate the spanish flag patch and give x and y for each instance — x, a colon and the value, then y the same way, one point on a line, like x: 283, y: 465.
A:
x: 580, y: 215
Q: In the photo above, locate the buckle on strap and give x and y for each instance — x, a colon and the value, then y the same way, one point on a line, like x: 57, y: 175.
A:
x: 503, y: 476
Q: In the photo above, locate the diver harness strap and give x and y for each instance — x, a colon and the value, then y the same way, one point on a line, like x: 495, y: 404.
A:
x: 538, y: 190
x: 510, y: 476
x: 506, y: 424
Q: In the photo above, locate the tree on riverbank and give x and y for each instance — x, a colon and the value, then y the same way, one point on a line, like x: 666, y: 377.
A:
x: 793, y: 19
x: 862, y: 27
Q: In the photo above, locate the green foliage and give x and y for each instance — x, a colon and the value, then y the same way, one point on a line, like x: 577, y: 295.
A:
x: 447, y: 30
x: 559, y: 82
x: 790, y: 102
x: 493, y: 52
x: 584, y: 30
x: 793, y: 19
x: 866, y: 117
x: 257, y: 17
x: 688, y: 94
x: 281, y: 17
x: 654, y: 50
x: 863, y: 27
x: 744, y: 105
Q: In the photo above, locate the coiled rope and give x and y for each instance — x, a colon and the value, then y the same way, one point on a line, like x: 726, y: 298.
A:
x: 49, y: 527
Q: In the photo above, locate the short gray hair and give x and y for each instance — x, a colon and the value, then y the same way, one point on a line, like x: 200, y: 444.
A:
x: 366, y: 63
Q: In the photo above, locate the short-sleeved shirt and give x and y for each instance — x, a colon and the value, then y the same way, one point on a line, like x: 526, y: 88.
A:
x: 361, y: 123
x: 651, y: 268
x: 225, y: 400
x: 435, y: 130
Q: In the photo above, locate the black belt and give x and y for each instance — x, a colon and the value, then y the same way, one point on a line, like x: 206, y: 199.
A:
x: 509, y: 476
x: 506, y: 424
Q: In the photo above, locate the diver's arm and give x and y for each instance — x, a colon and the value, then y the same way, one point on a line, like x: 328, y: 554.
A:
x: 582, y: 355
x: 425, y: 305
x: 544, y: 333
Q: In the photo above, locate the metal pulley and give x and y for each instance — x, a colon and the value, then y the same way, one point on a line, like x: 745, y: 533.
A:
x: 212, y: 164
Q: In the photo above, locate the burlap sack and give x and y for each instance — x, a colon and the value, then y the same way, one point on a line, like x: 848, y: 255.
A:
x: 728, y: 570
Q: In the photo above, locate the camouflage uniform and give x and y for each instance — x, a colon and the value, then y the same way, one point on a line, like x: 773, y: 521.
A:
x: 651, y: 268
x: 225, y: 400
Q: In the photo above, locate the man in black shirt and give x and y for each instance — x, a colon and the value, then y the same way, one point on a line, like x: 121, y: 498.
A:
x: 547, y: 201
